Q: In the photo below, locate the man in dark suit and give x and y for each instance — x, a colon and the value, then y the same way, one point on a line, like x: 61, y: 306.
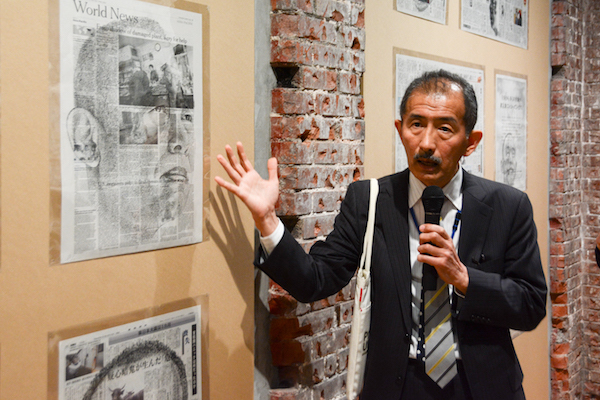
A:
x: 485, y: 249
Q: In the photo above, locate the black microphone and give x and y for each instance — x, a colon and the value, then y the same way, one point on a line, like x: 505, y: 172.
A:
x: 433, y: 200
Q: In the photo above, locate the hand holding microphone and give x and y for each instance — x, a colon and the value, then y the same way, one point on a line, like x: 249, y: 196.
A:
x: 433, y: 200
x: 447, y: 263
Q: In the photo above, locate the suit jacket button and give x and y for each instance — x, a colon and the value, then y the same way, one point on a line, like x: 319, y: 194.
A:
x: 407, y: 338
x: 399, y: 380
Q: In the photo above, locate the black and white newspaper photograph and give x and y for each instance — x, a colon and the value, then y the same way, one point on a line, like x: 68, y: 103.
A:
x: 502, y: 20
x: 154, y: 358
x: 511, y: 131
x: 431, y: 10
x: 411, y: 66
x: 131, y: 127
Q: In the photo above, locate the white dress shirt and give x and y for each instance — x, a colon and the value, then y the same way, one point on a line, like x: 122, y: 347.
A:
x: 452, y: 204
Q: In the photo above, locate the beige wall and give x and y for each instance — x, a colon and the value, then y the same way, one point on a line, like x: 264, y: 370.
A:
x: 36, y: 298
x: 387, y: 29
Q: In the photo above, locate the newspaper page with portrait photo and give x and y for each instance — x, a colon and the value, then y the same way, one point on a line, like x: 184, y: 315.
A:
x: 431, y: 10
x: 131, y: 122
x: 410, y: 66
x: 153, y: 358
x: 502, y: 20
x: 511, y: 131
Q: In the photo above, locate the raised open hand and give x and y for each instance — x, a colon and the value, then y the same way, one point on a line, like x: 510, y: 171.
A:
x: 258, y: 194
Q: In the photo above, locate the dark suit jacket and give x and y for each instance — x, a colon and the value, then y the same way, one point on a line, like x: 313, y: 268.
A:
x: 507, y: 288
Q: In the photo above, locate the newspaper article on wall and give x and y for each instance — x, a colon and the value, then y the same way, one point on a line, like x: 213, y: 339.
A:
x: 411, y: 66
x: 431, y: 10
x: 154, y: 358
x: 502, y: 20
x: 511, y: 130
x: 131, y: 120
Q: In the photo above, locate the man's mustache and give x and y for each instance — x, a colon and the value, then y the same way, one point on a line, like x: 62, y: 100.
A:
x: 428, y: 157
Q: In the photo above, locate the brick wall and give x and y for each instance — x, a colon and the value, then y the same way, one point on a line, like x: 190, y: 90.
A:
x: 575, y: 199
x: 591, y: 199
x: 317, y: 134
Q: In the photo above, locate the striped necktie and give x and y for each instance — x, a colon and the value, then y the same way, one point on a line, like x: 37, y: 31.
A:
x: 440, y: 358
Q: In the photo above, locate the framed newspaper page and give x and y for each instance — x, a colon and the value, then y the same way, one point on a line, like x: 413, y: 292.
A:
x: 409, y: 65
x: 431, y: 10
x: 502, y: 20
x: 511, y: 129
x: 129, y: 141
x: 158, y: 353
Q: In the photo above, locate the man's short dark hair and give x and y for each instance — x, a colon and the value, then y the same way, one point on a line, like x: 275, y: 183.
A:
x: 437, y: 82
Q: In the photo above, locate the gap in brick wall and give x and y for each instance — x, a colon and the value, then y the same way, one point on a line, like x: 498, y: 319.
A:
x: 285, y: 73
x: 290, y: 221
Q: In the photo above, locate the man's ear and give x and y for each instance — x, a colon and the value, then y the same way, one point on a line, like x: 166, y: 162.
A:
x: 398, y: 124
x: 473, y: 141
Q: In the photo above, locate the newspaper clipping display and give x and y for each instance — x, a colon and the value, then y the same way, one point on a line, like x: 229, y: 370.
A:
x: 131, y: 117
x: 152, y: 359
x: 511, y: 131
x: 502, y: 20
x: 431, y: 10
x: 407, y: 69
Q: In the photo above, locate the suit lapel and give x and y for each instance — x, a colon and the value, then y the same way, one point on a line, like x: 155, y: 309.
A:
x: 394, y: 203
x: 476, y: 217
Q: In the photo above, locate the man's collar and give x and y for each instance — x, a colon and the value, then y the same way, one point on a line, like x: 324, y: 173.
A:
x: 452, y: 190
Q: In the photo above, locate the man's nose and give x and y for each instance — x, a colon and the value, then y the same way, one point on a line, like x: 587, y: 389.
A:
x: 428, y: 139
x: 175, y: 144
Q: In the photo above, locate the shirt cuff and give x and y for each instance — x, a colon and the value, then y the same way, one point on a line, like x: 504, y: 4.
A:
x: 269, y: 243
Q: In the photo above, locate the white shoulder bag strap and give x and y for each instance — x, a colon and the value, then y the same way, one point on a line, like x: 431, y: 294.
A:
x: 361, y: 319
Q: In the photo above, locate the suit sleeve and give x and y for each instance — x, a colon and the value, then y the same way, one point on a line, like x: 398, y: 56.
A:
x: 331, y: 263
x: 508, y: 290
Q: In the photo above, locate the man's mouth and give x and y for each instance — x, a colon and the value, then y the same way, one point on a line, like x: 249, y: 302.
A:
x: 176, y: 174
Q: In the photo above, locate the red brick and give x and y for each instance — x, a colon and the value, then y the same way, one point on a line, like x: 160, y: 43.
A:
x: 327, y: 200
x: 293, y: 152
x: 329, y: 387
x: 282, y: 303
x: 313, y: 177
x: 290, y: 394
x: 345, y: 312
x: 558, y: 362
x: 294, y: 51
x: 314, y: 226
x: 353, y: 129
x: 349, y: 83
x: 292, y: 351
x: 337, y: 10
x: 309, y: 324
x: 305, y: 374
x: 291, y: 101
x: 296, y: 203
x: 285, y: 25
x: 358, y: 16
x: 316, y: 78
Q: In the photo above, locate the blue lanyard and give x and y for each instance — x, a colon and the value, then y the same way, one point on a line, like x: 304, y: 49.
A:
x: 454, y: 226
